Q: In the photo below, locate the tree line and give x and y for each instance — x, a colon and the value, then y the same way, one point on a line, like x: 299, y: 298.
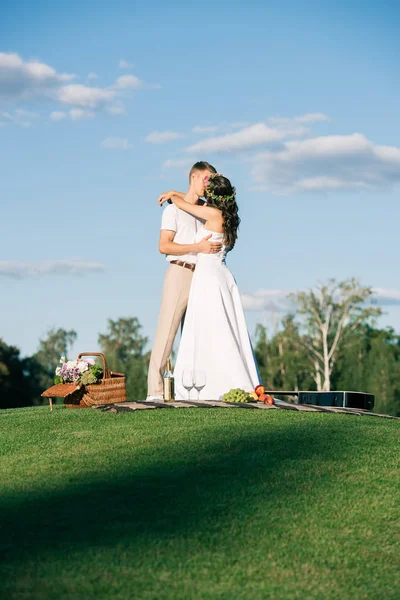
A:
x: 329, y: 340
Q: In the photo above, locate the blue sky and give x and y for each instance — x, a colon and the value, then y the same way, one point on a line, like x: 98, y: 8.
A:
x: 105, y: 105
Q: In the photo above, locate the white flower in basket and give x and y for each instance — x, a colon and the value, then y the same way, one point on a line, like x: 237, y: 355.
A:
x: 82, y: 370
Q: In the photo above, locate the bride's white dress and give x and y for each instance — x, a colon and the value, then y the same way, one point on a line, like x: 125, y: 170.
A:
x: 215, y: 339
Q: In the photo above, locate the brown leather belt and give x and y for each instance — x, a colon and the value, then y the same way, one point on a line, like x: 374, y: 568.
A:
x: 180, y: 263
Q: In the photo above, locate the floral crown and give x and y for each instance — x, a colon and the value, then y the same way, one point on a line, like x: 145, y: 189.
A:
x: 210, y: 194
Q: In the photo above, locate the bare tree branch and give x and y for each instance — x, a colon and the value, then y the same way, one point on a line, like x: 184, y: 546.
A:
x: 313, y: 350
x: 325, y: 317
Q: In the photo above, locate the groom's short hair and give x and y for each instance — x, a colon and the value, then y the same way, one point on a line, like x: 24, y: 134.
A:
x: 202, y: 165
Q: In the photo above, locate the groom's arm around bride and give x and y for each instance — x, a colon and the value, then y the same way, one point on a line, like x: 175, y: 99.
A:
x: 178, y: 243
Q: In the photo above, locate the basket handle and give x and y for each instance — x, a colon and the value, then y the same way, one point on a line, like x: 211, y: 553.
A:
x: 106, y: 372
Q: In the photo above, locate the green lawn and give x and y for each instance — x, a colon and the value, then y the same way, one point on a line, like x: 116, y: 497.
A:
x: 198, y: 504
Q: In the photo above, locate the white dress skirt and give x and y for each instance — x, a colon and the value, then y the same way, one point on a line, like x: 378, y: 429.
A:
x: 215, y: 339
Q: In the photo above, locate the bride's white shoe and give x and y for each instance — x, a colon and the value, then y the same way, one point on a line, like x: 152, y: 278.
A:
x: 154, y: 399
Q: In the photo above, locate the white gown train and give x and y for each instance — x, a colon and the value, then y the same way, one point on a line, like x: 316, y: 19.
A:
x: 215, y: 339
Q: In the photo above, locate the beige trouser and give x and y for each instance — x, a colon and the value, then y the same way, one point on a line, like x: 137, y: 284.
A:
x: 173, y: 306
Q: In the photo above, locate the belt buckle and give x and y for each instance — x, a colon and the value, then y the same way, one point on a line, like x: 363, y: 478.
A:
x: 184, y: 264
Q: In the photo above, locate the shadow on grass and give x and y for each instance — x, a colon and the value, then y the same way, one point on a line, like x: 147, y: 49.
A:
x: 197, y: 491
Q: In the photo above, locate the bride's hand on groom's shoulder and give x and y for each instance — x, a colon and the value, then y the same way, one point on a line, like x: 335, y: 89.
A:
x: 165, y: 196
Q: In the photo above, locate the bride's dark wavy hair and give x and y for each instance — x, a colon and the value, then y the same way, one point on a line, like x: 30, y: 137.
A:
x: 220, y: 193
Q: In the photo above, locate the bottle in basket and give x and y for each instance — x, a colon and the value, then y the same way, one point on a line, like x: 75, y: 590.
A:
x: 169, y: 393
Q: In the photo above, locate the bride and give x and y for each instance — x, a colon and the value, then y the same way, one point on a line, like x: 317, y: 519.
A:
x: 215, y: 341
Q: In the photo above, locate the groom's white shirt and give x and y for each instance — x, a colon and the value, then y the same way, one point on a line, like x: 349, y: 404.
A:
x: 185, y: 228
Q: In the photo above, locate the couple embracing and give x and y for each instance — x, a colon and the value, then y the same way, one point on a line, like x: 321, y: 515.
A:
x: 199, y: 288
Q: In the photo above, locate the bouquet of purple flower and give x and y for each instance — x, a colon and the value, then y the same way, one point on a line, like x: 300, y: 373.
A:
x: 81, y: 371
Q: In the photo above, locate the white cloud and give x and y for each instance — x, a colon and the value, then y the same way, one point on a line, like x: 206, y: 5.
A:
x: 7, y: 117
x: 128, y: 82
x: 384, y: 297
x: 388, y: 294
x: 24, y: 80
x: 306, y: 118
x: 77, y: 114
x: 28, y: 81
x: 206, y: 129
x: 116, y: 109
x: 274, y: 130
x: 162, y: 137
x: 246, y: 138
x: 116, y: 143
x: 321, y: 182
x: 326, y: 163
x: 222, y: 127
x: 131, y: 82
x: 266, y: 300
x: 77, y: 94
x: 56, y: 267
x: 57, y: 115
x: 278, y: 301
x: 294, y: 161
x: 19, y: 117
x: 20, y: 112
x: 124, y: 64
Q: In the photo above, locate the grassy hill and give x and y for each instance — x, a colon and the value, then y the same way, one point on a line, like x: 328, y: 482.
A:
x: 198, y: 504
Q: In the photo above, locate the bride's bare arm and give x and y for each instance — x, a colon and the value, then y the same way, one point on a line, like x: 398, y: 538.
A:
x: 168, y: 195
x: 203, y: 212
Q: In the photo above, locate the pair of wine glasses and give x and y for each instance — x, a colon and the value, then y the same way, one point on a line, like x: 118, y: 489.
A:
x: 193, y: 379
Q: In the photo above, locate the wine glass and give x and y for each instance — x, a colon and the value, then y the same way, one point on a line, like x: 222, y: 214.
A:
x: 199, y: 381
x: 187, y: 381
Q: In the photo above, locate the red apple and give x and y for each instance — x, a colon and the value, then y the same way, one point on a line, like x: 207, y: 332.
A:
x: 267, y: 399
x: 259, y: 390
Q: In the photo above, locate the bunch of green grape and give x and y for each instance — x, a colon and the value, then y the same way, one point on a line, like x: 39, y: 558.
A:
x: 236, y: 395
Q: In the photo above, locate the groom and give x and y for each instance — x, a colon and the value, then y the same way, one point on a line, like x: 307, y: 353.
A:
x: 177, y: 241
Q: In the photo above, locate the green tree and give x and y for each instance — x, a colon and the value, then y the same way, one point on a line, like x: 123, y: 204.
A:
x: 370, y: 362
x: 123, y: 346
x: 57, y: 343
x: 383, y: 371
x: 282, y: 363
x: 349, y: 372
x: 328, y: 315
x: 261, y: 352
x: 16, y: 387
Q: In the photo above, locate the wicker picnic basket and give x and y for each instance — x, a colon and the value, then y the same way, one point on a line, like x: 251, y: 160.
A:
x: 111, y: 389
